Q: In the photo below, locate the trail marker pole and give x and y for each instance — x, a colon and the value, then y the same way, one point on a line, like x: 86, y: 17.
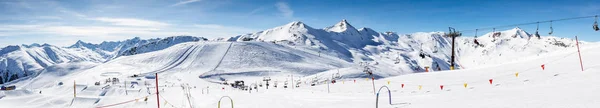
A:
x: 74, y: 89
x: 578, y: 51
x: 327, y: 81
x: 157, y: 96
x: 373, y: 81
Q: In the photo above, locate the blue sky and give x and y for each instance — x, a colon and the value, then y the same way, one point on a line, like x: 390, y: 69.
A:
x: 64, y: 22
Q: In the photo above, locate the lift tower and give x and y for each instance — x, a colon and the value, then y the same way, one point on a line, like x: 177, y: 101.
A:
x: 453, y: 34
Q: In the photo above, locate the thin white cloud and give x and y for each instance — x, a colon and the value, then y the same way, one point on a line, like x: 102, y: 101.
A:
x: 184, y: 2
x: 209, y: 26
x: 285, y: 9
x: 61, y: 30
x: 260, y: 9
x: 215, y: 30
x: 131, y: 22
x: 73, y: 13
x: 204, y: 30
x: 49, y: 17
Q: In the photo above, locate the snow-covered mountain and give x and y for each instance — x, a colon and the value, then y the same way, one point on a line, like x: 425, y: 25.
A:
x: 510, y: 45
x: 19, y: 61
x: 113, y: 49
x: 389, y: 53
x: 397, y: 54
x: 160, y: 44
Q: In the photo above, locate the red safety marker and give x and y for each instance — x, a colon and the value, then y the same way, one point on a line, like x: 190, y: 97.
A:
x: 491, y: 81
x: 543, y: 67
x: 580, y: 62
x: 441, y: 87
x: 402, y: 85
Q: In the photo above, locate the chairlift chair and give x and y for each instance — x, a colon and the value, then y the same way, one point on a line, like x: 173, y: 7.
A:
x: 596, y: 24
x: 551, y: 29
x: 537, y: 34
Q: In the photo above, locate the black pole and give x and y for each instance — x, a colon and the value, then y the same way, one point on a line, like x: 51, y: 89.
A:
x: 452, y: 33
x: 452, y: 61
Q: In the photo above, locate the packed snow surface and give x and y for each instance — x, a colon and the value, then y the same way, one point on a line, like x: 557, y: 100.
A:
x: 560, y: 84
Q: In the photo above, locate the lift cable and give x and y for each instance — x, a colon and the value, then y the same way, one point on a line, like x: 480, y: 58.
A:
x: 530, y: 23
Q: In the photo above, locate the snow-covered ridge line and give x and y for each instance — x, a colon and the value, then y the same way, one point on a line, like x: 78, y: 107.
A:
x: 409, y: 53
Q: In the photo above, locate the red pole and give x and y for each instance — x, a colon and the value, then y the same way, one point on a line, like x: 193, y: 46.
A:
x: 157, y: 99
x: 373, y: 80
x: 578, y: 51
x: 74, y: 89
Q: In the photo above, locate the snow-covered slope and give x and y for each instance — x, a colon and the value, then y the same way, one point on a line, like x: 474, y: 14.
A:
x: 560, y: 84
x: 215, y: 60
x: 19, y: 61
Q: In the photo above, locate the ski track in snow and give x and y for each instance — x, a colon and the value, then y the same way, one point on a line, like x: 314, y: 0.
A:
x: 178, y: 61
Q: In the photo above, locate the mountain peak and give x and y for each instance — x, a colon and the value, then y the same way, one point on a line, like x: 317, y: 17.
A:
x: 512, y: 33
x: 31, y: 45
x: 80, y: 44
x: 344, y: 22
x: 295, y: 23
x: 341, y: 27
x: 517, y: 29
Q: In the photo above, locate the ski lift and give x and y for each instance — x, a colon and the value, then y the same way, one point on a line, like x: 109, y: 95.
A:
x: 314, y: 82
x: 536, y: 30
x: 551, y: 29
x: 596, y: 24
x: 476, y: 32
x: 453, y: 32
x: 475, y: 39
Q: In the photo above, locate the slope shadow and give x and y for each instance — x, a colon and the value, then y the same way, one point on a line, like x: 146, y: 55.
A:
x: 398, y: 105
x: 247, y: 73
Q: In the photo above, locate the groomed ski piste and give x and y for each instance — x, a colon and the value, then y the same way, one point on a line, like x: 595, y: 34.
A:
x: 192, y: 80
